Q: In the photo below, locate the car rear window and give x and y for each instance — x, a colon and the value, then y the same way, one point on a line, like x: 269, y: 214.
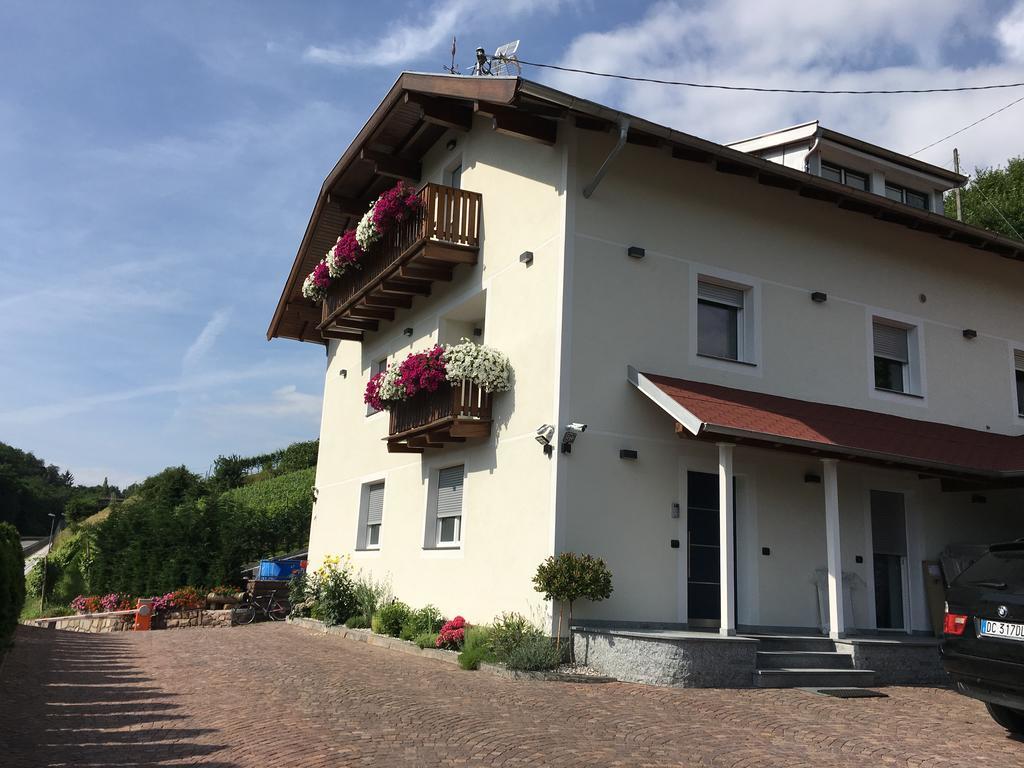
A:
x: 999, y: 567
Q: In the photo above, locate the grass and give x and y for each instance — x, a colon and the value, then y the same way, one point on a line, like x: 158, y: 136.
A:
x: 34, y: 610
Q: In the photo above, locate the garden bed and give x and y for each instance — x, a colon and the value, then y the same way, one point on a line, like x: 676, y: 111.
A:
x: 450, y: 657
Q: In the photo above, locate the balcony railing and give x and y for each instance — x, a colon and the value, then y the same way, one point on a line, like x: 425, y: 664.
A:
x: 443, y: 233
x: 452, y: 414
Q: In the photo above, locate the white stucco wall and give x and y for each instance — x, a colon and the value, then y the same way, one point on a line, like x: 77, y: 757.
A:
x: 693, y: 220
x: 507, y: 504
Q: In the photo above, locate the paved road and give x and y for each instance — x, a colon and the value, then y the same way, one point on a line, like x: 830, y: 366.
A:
x: 273, y: 695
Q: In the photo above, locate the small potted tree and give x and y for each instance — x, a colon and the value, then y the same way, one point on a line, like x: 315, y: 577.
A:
x: 569, y: 577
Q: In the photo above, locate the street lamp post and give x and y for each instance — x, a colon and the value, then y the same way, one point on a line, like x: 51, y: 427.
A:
x: 46, y: 559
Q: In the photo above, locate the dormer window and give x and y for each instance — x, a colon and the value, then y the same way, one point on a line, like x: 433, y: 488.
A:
x: 906, y: 196
x: 845, y: 176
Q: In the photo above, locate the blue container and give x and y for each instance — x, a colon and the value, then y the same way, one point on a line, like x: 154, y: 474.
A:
x: 278, y: 570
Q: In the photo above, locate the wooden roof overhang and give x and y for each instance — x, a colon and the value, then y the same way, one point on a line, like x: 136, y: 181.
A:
x: 419, y: 108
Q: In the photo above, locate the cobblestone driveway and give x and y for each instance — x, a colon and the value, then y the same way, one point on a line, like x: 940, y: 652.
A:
x: 273, y: 695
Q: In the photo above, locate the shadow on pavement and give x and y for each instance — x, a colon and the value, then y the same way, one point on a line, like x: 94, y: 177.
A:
x: 79, y: 699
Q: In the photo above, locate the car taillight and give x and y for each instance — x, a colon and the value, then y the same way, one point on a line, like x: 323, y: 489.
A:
x: 954, y: 624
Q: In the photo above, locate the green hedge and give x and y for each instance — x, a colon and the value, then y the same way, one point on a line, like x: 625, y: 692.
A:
x: 12, y: 581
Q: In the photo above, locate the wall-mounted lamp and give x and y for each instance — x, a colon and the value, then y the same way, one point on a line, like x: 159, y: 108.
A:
x: 526, y: 257
x: 636, y: 252
x: 970, y: 333
x: 544, y: 434
x: 407, y: 332
x: 478, y: 332
x: 628, y: 453
x: 343, y: 373
x: 675, y: 510
x: 819, y: 297
x: 810, y: 477
x: 452, y: 143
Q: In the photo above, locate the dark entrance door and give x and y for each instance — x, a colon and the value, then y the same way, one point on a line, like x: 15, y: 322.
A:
x: 703, y: 580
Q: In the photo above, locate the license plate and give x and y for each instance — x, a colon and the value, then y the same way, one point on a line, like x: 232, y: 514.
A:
x: 1003, y: 629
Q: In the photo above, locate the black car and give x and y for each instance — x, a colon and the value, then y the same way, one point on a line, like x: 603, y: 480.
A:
x: 983, y: 633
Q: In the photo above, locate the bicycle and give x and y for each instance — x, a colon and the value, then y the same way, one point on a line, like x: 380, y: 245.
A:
x: 268, y: 605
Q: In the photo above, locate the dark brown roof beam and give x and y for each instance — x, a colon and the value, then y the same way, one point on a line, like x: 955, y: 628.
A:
x: 389, y: 165
x: 405, y: 288
x: 417, y: 272
x: 378, y: 300
x: 329, y: 333
x: 372, y: 313
x: 443, y: 112
x: 513, y: 123
x: 353, y: 324
x: 347, y: 205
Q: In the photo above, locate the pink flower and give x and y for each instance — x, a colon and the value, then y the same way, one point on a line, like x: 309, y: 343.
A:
x: 424, y: 371
x: 372, y: 395
x: 452, y: 634
x: 395, y: 205
x: 347, y: 250
x: 321, y: 275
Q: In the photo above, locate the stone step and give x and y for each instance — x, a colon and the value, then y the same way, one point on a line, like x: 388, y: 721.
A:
x: 814, y: 678
x: 783, y: 643
x: 804, y: 660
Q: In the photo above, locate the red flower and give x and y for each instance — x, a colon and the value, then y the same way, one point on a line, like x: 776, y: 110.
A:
x: 395, y: 205
x: 422, y: 371
x: 452, y: 634
x: 372, y: 395
x: 347, y: 250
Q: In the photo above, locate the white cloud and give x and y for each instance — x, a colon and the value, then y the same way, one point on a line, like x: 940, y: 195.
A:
x: 1010, y: 32
x: 284, y: 401
x: 409, y: 41
x: 207, y: 337
x: 805, y: 44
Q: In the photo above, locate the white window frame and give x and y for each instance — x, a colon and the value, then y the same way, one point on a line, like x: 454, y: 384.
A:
x: 432, y: 530
x: 914, y: 380
x: 1016, y: 364
x: 748, y: 342
x: 363, y: 530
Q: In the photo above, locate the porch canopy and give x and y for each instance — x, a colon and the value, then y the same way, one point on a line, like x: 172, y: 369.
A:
x: 715, y: 413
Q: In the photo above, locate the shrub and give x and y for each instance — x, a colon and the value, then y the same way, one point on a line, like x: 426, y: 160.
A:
x: 426, y: 640
x: 357, y: 622
x: 510, y: 631
x: 452, y: 634
x: 533, y: 655
x: 568, y: 577
x: 375, y: 625
x: 12, y: 581
x: 333, y: 591
x: 427, y: 620
x: 476, y: 647
x: 392, y: 616
x: 369, y: 595
x: 299, y: 597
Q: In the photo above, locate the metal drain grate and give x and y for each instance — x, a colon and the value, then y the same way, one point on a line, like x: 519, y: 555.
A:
x: 851, y: 693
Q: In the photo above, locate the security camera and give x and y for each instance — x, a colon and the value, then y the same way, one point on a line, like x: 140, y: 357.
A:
x: 570, y: 434
x: 544, y: 434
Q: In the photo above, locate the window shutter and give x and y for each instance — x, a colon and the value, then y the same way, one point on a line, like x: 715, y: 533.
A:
x: 891, y: 342
x: 720, y: 294
x: 1018, y: 359
x: 449, y: 492
x: 375, y: 504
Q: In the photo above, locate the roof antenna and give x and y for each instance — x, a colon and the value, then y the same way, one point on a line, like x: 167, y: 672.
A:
x: 502, y: 64
x: 453, y: 69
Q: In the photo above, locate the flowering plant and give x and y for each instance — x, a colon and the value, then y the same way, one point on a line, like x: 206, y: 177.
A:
x: 484, y: 366
x: 180, y: 599
x: 452, y: 634
x: 366, y: 230
x: 84, y: 604
x: 394, y: 206
x: 315, y: 285
x: 422, y: 371
x: 115, y: 601
x: 346, y: 253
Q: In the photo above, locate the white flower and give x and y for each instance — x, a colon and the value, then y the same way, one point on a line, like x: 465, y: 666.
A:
x: 366, y: 230
x: 484, y: 366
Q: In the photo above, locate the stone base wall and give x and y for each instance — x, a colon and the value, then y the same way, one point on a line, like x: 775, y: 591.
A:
x: 898, y: 663
x: 668, y: 658
x: 92, y: 623
x: 100, y: 623
x: 192, y: 618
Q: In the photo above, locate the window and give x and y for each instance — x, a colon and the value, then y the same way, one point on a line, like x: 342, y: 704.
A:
x: 455, y: 177
x: 449, y: 506
x: 720, y: 321
x: 374, y: 515
x: 376, y: 368
x: 845, y: 176
x: 1018, y: 373
x: 906, y: 196
x: 892, y: 357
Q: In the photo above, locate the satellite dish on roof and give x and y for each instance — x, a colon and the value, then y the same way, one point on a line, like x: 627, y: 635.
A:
x: 504, y: 62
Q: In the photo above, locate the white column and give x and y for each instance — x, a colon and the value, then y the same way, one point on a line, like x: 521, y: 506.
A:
x: 726, y: 542
x: 836, y: 626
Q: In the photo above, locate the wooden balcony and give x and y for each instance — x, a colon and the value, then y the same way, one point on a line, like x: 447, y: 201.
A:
x: 405, y: 262
x: 452, y: 414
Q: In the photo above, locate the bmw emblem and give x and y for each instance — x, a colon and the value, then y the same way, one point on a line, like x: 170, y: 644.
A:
x: 1002, y: 611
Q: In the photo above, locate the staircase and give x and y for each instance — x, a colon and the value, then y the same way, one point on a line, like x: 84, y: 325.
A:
x: 806, y: 662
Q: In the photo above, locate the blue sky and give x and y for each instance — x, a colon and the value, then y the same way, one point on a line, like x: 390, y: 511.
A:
x: 158, y: 162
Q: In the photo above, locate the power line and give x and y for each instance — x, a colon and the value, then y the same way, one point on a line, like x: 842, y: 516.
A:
x: 957, y: 133
x: 765, y: 90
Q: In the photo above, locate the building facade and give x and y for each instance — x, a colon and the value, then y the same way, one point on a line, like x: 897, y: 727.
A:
x: 800, y: 382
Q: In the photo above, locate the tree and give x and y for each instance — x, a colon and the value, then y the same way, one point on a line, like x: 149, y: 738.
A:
x: 569, y: 577
x: 994, y: 193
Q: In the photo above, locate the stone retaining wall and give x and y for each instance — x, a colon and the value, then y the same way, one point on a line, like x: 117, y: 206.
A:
x: 898, y: 662
x: 123, y: 621
x: 674, y: 658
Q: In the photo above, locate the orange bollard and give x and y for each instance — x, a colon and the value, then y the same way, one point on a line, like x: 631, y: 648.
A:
x: 143, y: 615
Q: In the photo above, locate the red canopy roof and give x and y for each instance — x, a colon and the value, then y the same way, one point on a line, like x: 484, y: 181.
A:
x: 707, y: 410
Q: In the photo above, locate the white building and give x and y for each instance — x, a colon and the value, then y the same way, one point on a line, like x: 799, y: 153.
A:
x: 796, y: 373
